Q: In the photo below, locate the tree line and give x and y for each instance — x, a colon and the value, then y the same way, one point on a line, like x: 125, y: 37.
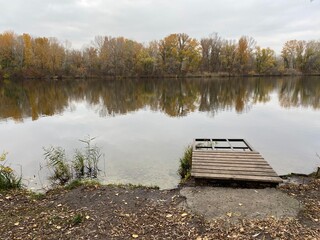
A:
x: 175, y: 55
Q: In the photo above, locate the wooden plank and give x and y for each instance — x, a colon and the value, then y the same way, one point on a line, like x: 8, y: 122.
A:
x: 231, y: 162
x: 238, y: 173
x: 224, y: 152
x: 200, y: 151
x: 208, y: 154
x: 228, y: 158
x: 237, y: 177
x: 234, y: 168
x: 266, y: 166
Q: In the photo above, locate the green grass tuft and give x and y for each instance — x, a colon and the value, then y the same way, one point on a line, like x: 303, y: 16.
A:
x: 8, y: 178
x: 77, y: 219
x: 185, y: 164
x: 82, y: 182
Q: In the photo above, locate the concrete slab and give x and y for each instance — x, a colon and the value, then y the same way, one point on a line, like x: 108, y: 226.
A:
x: 232, y: 203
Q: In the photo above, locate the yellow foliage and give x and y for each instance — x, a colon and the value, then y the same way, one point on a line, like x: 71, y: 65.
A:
x: 3, y: 156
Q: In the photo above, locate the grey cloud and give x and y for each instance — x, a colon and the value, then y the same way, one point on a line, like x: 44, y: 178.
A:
x: 269, y: 22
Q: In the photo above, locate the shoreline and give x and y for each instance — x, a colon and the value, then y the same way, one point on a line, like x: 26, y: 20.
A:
x: 186, y: 76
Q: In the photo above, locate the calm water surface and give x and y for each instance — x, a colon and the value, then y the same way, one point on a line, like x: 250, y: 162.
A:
x: 143, y: 126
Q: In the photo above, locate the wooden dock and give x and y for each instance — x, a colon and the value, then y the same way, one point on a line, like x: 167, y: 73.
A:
x: 232, y: 160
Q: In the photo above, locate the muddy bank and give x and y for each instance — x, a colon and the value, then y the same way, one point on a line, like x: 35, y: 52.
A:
x: 113, y: 212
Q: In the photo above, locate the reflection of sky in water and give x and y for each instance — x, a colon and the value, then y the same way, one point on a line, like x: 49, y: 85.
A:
x: 144, y: 146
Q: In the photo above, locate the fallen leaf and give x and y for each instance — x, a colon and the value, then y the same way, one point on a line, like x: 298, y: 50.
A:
x: 184, y: 214
x: 256, y: 235
x: 229, y: 214
x: 135, y: 235
x: 16, y: 224
x: 169, y: 215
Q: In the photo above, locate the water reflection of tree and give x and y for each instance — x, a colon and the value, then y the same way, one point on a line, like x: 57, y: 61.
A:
x: 175, y: 97
x: 300, y: 92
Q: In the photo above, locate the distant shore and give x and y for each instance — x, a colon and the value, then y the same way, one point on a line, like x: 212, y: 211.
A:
x: 171, y: 76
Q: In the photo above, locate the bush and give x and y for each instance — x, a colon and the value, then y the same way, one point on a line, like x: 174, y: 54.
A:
x: 8, y: 179
x: 185, y: 164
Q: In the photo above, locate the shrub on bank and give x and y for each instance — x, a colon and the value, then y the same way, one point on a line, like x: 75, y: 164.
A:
x: 8, y: 178
x: 185, y: 164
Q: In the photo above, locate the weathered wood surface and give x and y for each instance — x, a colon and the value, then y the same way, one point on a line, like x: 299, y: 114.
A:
x: 232, y: 165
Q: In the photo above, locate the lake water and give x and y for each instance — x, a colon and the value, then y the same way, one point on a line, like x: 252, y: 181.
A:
x: 143, y: 126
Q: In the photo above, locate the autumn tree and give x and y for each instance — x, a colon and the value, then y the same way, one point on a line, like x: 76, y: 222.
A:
x: 168, y: 54
x: 91, y: 60
x: 264, y: 59
x: 228, y: 56
x: 311, y: 59
x: 179, y: 53
x: 56, y: 56
x: 41, y: 56
x: 7, y: 44
x: 211, y: 51
x: 28, y: 60
x: 244, y: 53
x: 76, y: 62
x: 148, y: 59
x: 145, y: 63
x: 289, y: 54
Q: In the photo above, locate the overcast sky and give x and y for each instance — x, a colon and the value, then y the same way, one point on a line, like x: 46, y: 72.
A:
x: 270, y: 22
